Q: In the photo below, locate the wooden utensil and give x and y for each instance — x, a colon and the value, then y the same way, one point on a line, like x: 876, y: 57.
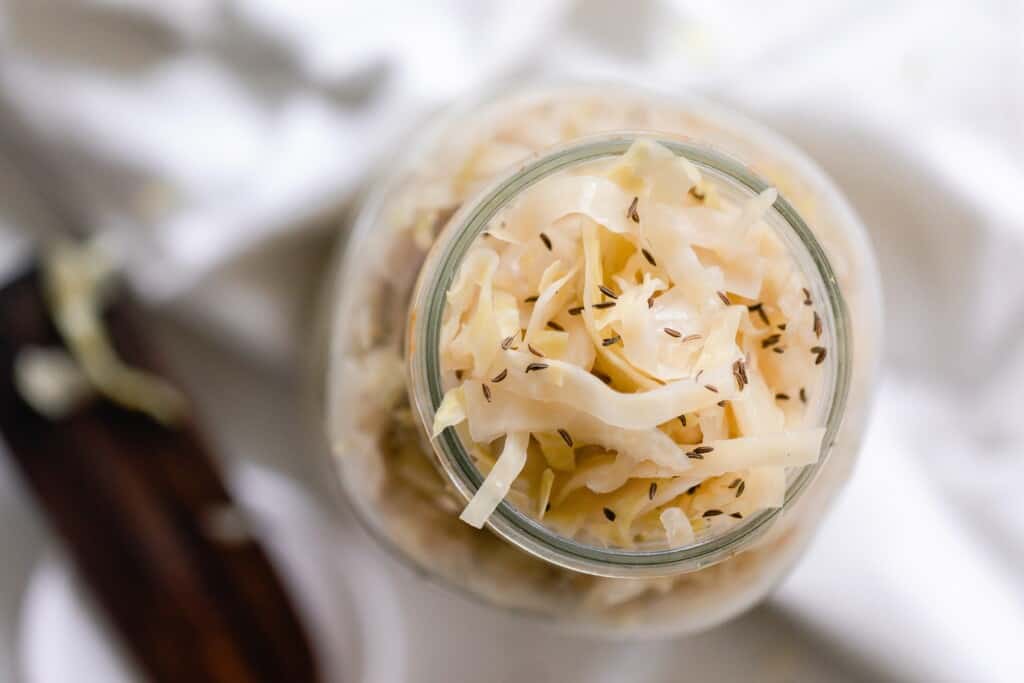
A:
x: 147, y: 522
x: 139, y: 506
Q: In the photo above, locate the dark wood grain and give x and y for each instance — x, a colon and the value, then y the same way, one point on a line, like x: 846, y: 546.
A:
x: 128, y: 496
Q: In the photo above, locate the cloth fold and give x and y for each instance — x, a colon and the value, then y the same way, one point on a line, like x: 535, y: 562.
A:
x: 214, y: 143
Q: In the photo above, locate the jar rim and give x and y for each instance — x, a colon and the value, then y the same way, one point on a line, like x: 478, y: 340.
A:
x: 425, y: 378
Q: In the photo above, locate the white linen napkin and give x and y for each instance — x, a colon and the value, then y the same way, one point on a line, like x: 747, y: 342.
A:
x: 211, y: 136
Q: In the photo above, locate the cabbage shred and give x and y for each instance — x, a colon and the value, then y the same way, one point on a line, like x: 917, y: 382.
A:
x: 626, y: 347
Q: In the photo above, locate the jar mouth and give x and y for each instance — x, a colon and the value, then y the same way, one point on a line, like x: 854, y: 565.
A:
x: 427, y: 390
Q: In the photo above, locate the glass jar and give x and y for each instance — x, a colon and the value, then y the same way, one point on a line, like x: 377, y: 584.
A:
x: 383, y: 381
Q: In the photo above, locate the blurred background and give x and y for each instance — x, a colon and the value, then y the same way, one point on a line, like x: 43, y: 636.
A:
x: 219, y: 143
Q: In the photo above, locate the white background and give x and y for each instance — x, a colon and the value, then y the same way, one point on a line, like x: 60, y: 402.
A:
x: 218, y: 141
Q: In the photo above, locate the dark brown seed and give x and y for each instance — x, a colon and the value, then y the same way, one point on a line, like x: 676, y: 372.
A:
x: 711, y: 513
x: 565, y: 437
x: 778, y: 349
x: 781, y: 326
x: 724, y: 298
x: 650, y: 302
x: 803, y: 395
x: 631, y: 212
x: 820, y: 352
x: 759, y: 309
x: 691, y: 337
x: 722, y: 404
x: 500, y: 376
x: 741, y: 488
x: 694, y: 456
x: 781, y: 397
x: 682, y: 420
x: 673, y: 333
x: 531, y: 299
x: 547, y: 507
x: 458, y: 374
x: 650, y: 259
x: 485, y: 234
x: 807, y: 296
x: 735, y: 483
x: 487, y: 392
x: 770, y: 340
x: 701, y: 450
x: 610, y: 340
x: 546, y: 240
x: 601, y: 376
x: 608, y: 292
x: 609, y: 514
x: 575, y: 310
x: 535, y: 366
x: 817, y: 325
x: 555, y: 326
x: 711, y: 387
x: 605, y: 304
x: 507, y: 342
x: 534, y: 351
x: 692, y: 490
x: 697, y: 378
x: 739, y: 371
x: 652, y: 490
x: 737, y: 515
x: 696, y: 194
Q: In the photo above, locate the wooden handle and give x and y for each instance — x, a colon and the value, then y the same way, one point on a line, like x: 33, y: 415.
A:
x: 148, y: 522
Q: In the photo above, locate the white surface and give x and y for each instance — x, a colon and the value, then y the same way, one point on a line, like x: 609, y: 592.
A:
x: 225, y: 128
x: 59, y: 618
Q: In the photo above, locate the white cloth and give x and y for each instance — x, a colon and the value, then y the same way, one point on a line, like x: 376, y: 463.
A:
x: 210, y: 137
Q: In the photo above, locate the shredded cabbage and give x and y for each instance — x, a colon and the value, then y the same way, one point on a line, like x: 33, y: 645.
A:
x: 507, y: 412
x: 547, y: 480
x: 651, y: 339
x: 494, y: 488
x: 677, y: 526
x: 584, y: 392
x: 451, y: 412
x: 785, y: 449
x: 552, y: 299
x: 558, y: 454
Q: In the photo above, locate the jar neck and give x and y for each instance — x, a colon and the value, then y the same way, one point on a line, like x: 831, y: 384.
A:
x: 425, y: 376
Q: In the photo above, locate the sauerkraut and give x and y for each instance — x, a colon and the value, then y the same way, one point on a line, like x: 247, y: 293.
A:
x: 633, y: 353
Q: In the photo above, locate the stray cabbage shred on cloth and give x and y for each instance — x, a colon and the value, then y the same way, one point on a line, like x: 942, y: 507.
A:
x: 630, y: 356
